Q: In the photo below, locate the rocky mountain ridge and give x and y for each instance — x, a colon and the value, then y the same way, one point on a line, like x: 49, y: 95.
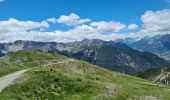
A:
x: 108, y: 54
x: 159, y: 45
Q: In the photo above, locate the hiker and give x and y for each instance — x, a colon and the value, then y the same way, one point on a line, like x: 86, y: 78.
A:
x: 53, y: 68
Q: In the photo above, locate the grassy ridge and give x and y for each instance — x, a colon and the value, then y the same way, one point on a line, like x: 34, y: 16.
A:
x: 78, y: 80
x: 24, y: 59
x: 7, y: 69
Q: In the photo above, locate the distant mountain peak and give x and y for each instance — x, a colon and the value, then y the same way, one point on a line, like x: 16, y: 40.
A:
x: 159, y: 45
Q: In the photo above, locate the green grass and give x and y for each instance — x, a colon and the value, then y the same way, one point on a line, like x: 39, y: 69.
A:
x: 7, y: 69
x: 31, y: 56
x: 46, y: 85
x: 78, y: 80
x: 65, y: 85
x: 25, y: 59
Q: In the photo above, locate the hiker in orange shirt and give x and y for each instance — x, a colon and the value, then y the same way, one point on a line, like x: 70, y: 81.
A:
x: 53, y: 68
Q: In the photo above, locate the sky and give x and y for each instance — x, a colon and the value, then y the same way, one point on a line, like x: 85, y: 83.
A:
x: 74, y: 20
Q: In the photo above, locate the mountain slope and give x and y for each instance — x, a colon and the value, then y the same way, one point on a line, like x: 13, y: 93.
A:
x: 159, y: 75
x: 129, y: 59
x: 159, y: 45
x: 77, y: 80
x: 112, y: 55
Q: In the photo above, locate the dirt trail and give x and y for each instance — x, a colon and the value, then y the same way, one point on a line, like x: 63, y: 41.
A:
x: 8, y: 79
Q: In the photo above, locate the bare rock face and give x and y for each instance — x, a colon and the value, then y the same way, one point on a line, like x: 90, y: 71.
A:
x: 158, y: 75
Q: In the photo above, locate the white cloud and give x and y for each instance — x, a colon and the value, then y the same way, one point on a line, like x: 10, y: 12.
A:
x: 132, y: 27
x: 154, y: 23
x: 13, y: 30
x: 12, y: 25
x: 158, y: 21
x: 27, y: 35
x: 75, y: 34
x: 52, y: 20
x: 70, y: 20
x: 90, y: 32
x: 105, y: 27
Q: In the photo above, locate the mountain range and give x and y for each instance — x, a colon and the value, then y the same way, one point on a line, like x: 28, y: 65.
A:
x: 159, y: 45
x: 108, y: 54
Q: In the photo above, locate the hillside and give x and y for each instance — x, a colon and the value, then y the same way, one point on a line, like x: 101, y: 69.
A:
x: 112, y: 55
x: 6, y: 67
x: 158, y: 75
x: 75, y: 80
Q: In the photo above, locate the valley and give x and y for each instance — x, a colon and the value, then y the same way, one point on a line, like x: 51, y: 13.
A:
x: 75, y: 79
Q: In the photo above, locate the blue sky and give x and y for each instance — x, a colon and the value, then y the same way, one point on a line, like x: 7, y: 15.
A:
x: 126, y: 11
x: 105, y: 12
